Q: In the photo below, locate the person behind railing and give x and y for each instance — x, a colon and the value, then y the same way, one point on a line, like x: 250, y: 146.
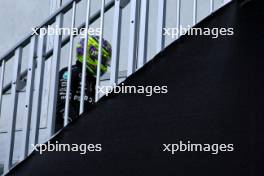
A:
x: 91, y: 70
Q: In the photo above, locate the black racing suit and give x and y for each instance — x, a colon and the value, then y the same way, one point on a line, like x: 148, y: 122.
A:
x: 74, y: 94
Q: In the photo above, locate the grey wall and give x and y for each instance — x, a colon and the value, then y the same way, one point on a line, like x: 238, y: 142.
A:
x: 17, y: 17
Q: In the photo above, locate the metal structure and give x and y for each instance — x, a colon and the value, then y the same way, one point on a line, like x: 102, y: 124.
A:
x: 137, y: 48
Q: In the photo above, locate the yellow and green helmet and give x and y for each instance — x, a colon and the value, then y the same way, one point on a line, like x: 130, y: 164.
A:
x: 92, y: 54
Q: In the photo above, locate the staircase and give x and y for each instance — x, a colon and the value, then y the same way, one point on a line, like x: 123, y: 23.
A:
x: 21, y: 95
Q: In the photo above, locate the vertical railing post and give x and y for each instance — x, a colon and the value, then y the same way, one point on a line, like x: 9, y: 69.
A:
x: 54, y: 5
x: 115, y: 45
x: 68, y: 91
x: 99, y: 61
x: 83, y: 81
x: 29, y: 98
x: 143, y: 31
x: 13, y: 110
x: 132, y: 38
x: 54, y: 78
x: 194, y: 12
x: 160, y: 25
x: 211, y: 6
x: 178, y: 17
x: 2, y: 83
x: 38, y: 87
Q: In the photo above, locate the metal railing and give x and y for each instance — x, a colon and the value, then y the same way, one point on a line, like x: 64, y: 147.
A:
x: 137, y: 47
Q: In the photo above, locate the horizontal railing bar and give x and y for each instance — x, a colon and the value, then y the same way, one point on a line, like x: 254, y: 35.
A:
x: 20, y: 129
x: 49, y: 53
